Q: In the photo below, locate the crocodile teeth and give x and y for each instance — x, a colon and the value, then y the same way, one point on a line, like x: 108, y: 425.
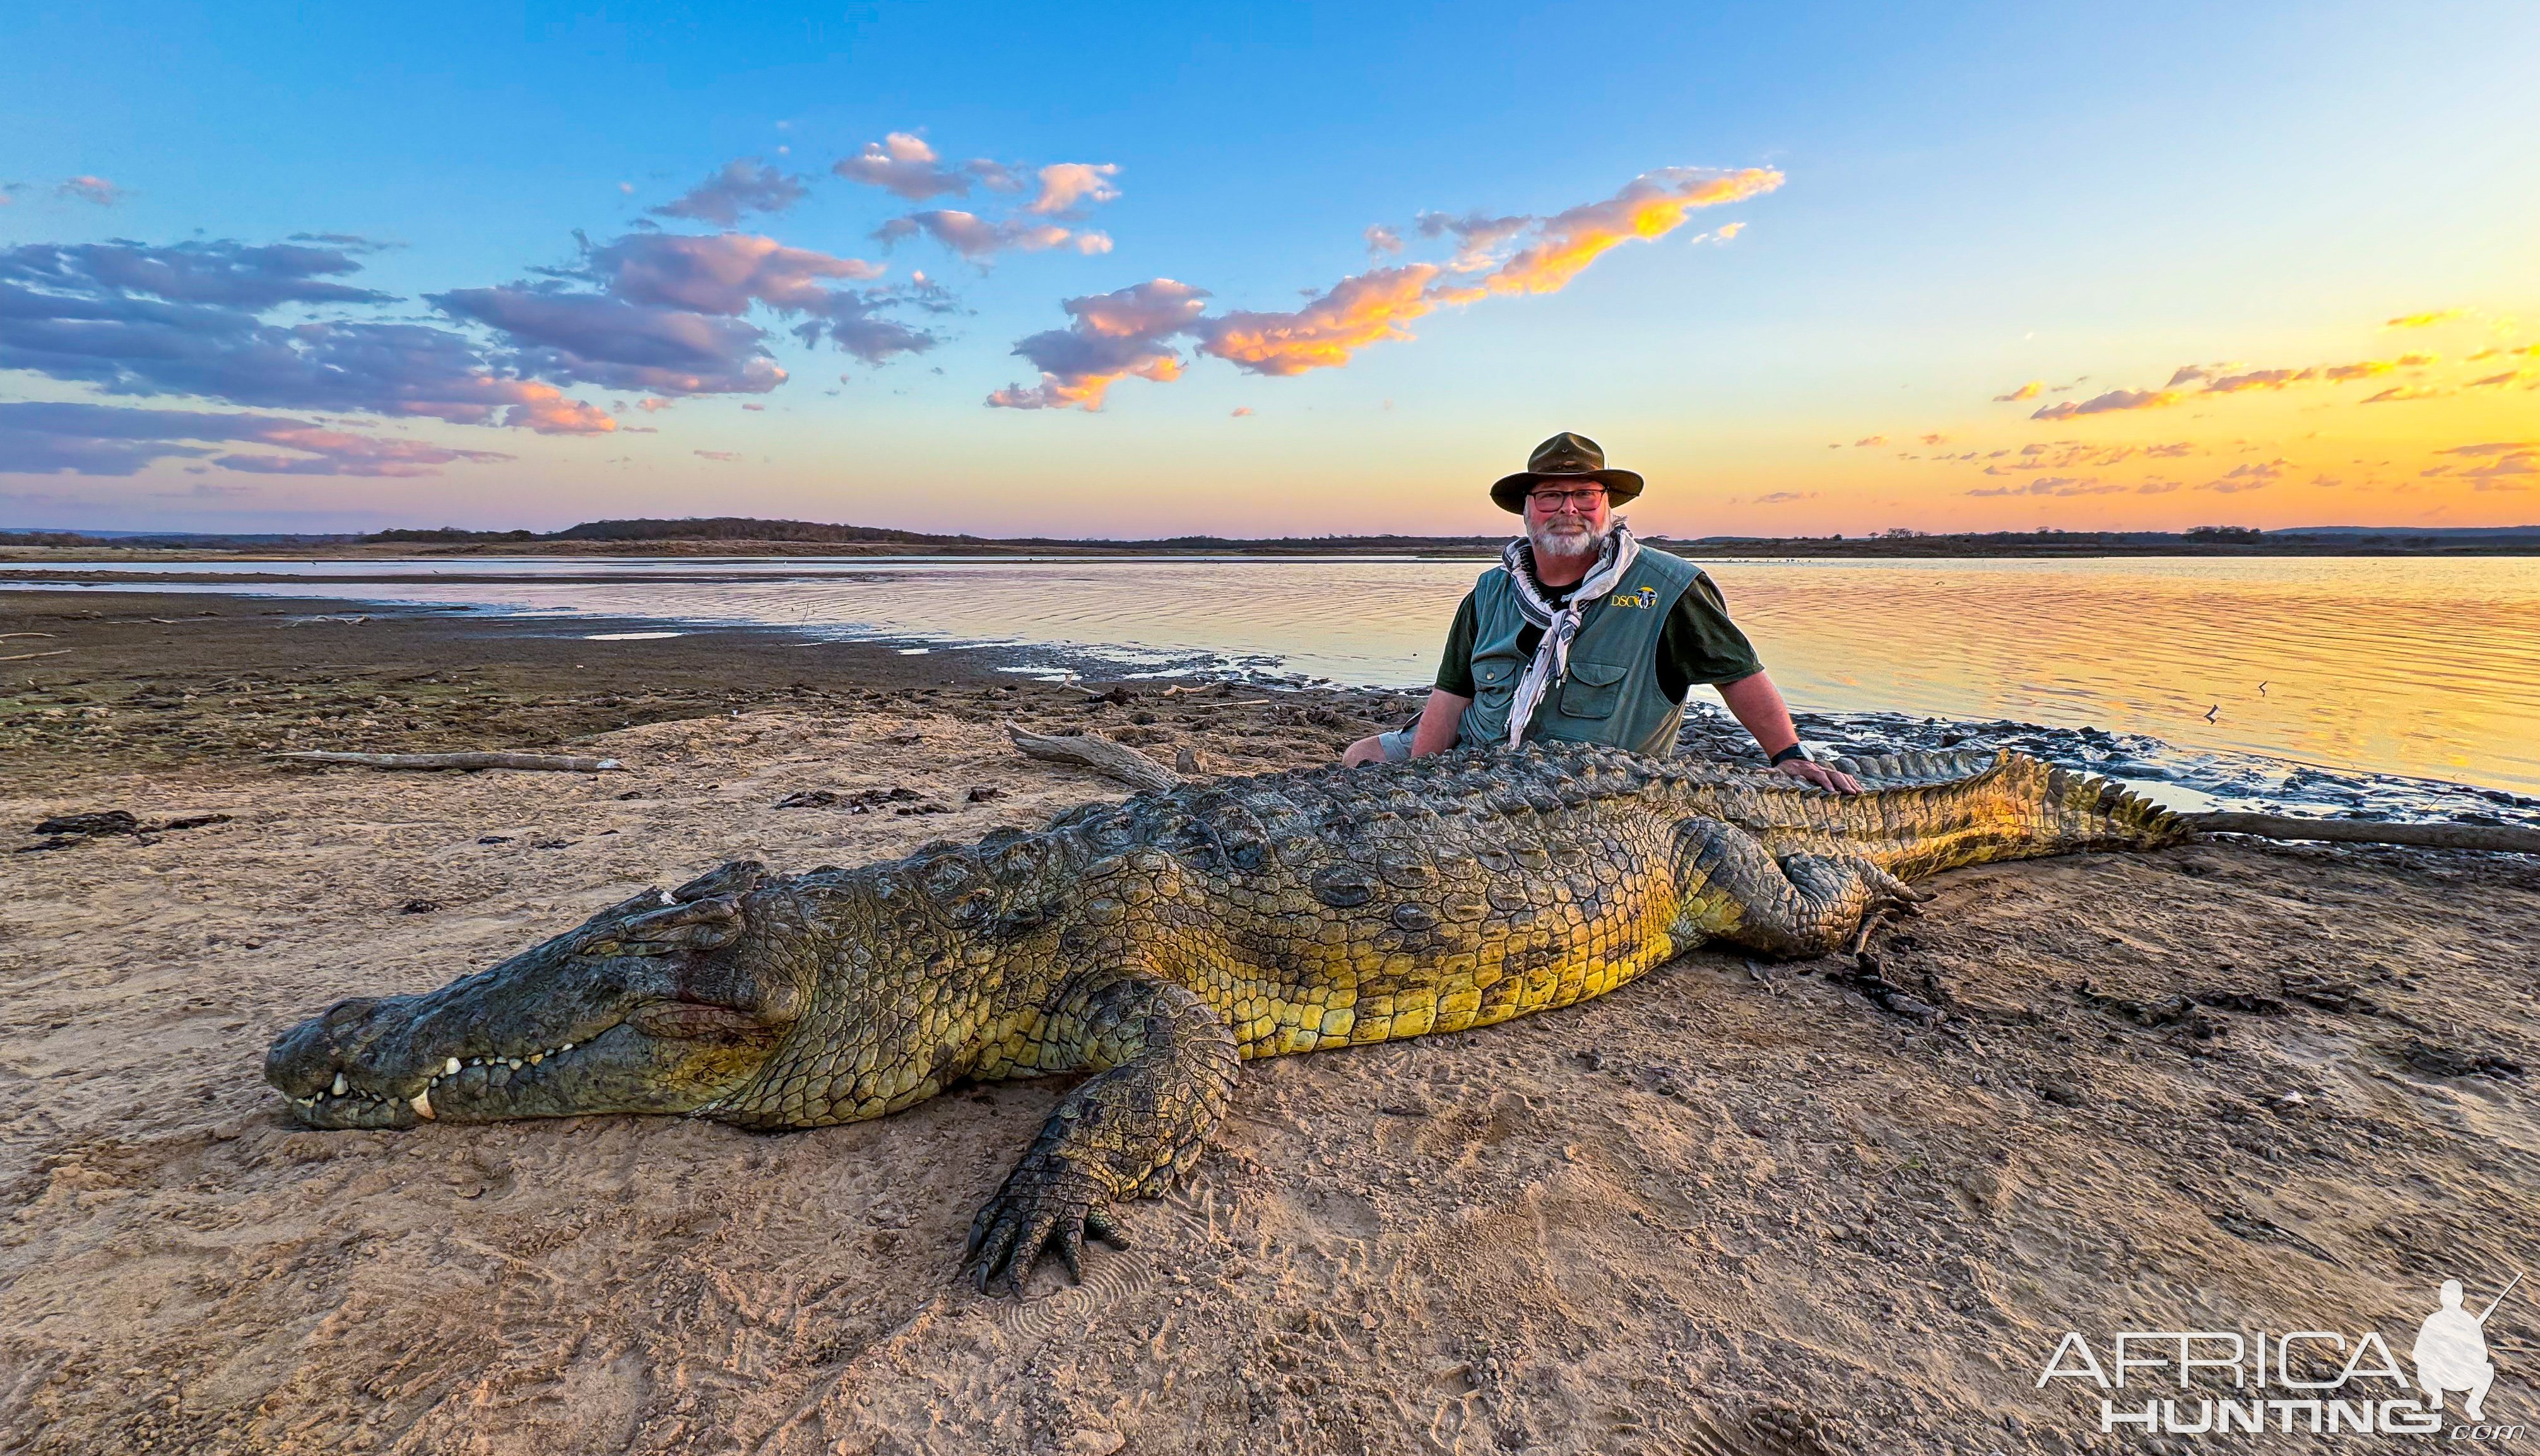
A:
x: 338, y: 1089
x: 449, y: 1068
x: 423, y: 1104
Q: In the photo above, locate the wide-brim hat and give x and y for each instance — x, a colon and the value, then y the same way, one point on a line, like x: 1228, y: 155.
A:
x: 1565, y: 456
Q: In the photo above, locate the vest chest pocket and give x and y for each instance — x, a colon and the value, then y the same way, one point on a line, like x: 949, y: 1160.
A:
x: 1495, y: 679
x: 1593, y: 689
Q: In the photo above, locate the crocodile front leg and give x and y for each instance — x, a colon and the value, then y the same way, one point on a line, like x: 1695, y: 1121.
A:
x: 1796, y: 906
x: 1166, y: 1069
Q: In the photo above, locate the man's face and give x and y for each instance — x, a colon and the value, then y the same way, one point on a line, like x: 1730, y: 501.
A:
x: 1567, y: 518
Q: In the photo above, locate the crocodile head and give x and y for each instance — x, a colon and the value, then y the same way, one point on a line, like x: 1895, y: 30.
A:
x: 662, y: 1004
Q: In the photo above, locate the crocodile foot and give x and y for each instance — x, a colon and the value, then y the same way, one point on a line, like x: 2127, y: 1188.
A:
x: 1048, y: 1204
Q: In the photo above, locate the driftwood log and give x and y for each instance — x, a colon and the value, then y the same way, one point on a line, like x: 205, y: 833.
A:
x: 2503, y: 837
x: 552, y: 762
x: 1089, y: 751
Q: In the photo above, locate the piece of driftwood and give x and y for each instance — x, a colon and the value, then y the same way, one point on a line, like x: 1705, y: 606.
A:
x: 59, y: 652
x: 1114, y: 760
x: 2504, y: 837
x: 553, y: 762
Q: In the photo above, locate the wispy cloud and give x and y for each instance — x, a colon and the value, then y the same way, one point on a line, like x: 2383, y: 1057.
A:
x: 2114, y: 399
x: 598, y: 339
x: 2505, y: 464
x: 2424, y: 321
x: 1477, y: 236
x: 1061, y: 192
x: 737, y: 187
x: 667, y: 316
x: 976, y: 239
x: 2403, y: 392
x: 2404, y: 361
x: 2029, y: 390
x: 906, y: 166
x: 1067, y: 186
x: 2228, y: 379
x: 1649, y: 206
x: 2256, y: 475
x: 1110, y: 336
x: 1333, y: 325
x: 91, y: 189
x: 2058, y: 486
x: 726, y: 455
x: 220, y: 274
x: 1522, y: 256
x: 1381, y: 241
x: 722, y: 274
x: 108, y: 440
x: 186, y: 318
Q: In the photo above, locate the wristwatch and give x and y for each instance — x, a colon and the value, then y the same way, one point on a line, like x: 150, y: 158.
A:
x: 1798, y: 751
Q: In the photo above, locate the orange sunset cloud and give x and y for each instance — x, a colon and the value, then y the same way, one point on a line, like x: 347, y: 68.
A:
x: 1650, y: 206
x: 1119, y: 334
x: 2114, y: 399
x: 1355, y: 312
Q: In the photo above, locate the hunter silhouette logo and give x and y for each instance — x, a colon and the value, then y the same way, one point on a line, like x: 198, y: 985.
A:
x: 2316, y: 1380
x: 1647, y: 596
x: 2451, y: 1350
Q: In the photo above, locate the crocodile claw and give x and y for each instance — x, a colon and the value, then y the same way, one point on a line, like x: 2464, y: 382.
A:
x: 1042, y: 1208
x: 1893, y: 895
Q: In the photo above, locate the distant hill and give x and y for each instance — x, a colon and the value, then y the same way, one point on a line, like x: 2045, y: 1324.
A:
x: 745, y: 536
x: 2437, y: 533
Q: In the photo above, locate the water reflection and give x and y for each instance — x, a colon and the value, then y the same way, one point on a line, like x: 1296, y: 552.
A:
x: 2418, y: 667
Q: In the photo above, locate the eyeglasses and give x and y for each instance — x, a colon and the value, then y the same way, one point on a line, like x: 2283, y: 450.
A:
x: 1581, y: 501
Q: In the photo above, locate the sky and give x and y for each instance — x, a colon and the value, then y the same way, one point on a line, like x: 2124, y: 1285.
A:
x: 1133, y: 271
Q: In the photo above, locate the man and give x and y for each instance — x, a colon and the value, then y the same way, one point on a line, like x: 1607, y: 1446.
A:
x: 1583, y: 633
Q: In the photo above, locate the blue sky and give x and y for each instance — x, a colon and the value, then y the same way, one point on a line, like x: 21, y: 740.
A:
x: 1938, y: 208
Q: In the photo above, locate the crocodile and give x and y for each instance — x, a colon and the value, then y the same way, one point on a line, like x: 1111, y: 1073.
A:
x: 1160, y: 942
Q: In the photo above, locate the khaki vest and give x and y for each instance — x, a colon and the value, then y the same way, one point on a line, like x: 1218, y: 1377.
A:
x: 1611, y: 693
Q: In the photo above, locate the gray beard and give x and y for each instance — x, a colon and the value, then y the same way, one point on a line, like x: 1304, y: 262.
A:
x: 1583, y: 546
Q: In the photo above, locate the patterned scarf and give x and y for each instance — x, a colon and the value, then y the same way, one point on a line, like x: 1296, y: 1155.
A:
x: 1560, y: 626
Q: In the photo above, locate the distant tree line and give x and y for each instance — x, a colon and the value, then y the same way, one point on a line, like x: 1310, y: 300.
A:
x: 1897, y: 541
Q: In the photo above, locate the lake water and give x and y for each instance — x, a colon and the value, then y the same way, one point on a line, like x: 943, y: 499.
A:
x: 2412, y: 666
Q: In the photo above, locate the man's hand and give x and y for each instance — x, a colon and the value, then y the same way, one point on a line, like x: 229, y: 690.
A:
x: 1820, y: 775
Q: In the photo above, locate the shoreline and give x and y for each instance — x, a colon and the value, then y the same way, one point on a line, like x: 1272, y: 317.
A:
x: 140, y: 679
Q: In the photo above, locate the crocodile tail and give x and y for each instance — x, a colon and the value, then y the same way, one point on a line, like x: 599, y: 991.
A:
x: 1946, y: 811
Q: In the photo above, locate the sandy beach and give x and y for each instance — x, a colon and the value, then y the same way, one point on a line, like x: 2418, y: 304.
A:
x: 1732, y: 1207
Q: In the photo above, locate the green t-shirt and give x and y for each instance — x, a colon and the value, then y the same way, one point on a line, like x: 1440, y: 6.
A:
x: 1698, y: 644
